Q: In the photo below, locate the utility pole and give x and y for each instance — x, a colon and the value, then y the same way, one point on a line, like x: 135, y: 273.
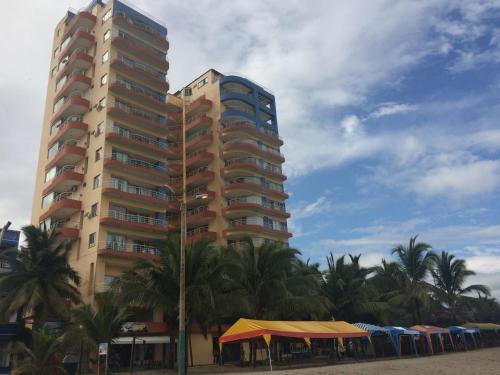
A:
x: 181, y: 362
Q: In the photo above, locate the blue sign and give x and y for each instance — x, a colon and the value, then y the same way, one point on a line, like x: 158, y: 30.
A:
x: 11, y: 239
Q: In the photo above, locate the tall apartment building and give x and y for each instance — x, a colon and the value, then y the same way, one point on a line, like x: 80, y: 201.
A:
x: 113, y: 143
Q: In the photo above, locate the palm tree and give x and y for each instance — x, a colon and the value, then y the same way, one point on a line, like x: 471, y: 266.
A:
x: 93, y: 326
x: 273, y: 281
x: 155, y: 284
x: 345, y: 285
x: 41, y: 281
x: 414, y: 263
x: 449, y: 276
x: 42, y: 358
x: 385, y: 280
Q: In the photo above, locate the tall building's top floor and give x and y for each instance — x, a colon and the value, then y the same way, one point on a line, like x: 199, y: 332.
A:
x: 121, y: 11
x: 243, y: 99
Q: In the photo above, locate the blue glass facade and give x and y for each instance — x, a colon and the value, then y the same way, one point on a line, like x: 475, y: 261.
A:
x: 256, y: 98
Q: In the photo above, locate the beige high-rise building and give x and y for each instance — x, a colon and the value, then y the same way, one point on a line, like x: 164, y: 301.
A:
x: 112, y: 151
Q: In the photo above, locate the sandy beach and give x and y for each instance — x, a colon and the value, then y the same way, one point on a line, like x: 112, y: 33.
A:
x: 484, y: 362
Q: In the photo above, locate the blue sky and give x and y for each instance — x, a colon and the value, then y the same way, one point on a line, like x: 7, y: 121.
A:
x: 389, y: 111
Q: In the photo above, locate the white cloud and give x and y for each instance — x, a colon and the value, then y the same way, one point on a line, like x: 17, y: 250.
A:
x: 387, y: 109
x: 350, y: 125
x: 305, y: 210
x: 462, y: 180
x: 486, y: 264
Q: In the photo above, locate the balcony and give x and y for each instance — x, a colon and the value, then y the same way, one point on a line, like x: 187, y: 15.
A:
x: 137, y: 117
x: 138, y: 141
x: 81, y: 39
x: 139, y: 95
x: 174, y: 118
x: 252, y: 185
x: 199, y: 159
x: 136, y: 193
x: 132, y: 221
x: 192, y: 198
x: 200, y: 233
x: 137, y: 167
x: 72, y: 128
x: 248, y: 147
x: 78, y: 60
x: 143, y: 31
x: 200, y: 176
x: 199, y: 216
x: 238, y: 207
x: 65, y: 179
x: 68, y: 154
x: 198, y: 123
x: 69, y: 231
x: 141, y: 73
x: 199, y: 106
x: 72, y: 106
x: 76, y: 82
x: 238, y: 228
x: 82, y: 20
x: 141, y: 52
x: 243, y: 129
x: 241, y: 166
x: 127, y: 251
x: 63, y: 206
x: 199, y: 140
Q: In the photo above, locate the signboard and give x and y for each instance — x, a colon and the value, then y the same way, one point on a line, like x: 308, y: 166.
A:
x: 103, y: 348
x: 10, y: 239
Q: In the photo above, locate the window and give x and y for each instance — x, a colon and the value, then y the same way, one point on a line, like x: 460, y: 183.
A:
x: 91, y: 240
x: 53, y: 150
x: 97, y: 181
x: 107, y: 34
x: 105, y: 57
x: 106, y: 16
x: 98, y: 154
x: 58, y: 104
x: 50, y: 174
x: 93, y: 210
x: 98, y: 129
x: 108, y: 282
x: 102, y: 103
x: 53, y: 71
x: 203, y: 82
x: 56, y: 51
x: 104, y: 80
x: 188, y: 91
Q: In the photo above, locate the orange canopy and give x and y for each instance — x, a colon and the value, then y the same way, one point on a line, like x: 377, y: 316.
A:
x: 247, y: 328
x: 431, y: 330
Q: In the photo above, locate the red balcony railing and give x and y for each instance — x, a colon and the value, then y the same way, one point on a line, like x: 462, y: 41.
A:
x: 63, y: 206
x: 71, y: 128
x: 65, y: 179
x: 240, y: 130
x: 142, y: 30
x: 140, y: 52
x: 200, y: 105
x: 68, y: 154
x: 141, y: 72
x: 133, y: 221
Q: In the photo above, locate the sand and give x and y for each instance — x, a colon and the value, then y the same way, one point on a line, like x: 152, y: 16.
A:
x: 477, y: 362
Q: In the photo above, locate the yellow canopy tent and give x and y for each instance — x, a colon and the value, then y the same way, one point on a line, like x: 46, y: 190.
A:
x: 246, y: 329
